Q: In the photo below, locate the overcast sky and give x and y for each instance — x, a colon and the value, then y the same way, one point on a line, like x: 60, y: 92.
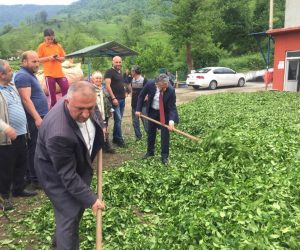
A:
x: 39, y: 2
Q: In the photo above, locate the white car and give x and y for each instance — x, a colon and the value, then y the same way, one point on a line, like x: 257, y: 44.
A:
x: 212, y: 77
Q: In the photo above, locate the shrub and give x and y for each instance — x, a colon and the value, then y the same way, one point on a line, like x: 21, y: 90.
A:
x: 244, y: 63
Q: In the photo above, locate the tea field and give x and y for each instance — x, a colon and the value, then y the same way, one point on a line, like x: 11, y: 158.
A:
x: 238, y: 188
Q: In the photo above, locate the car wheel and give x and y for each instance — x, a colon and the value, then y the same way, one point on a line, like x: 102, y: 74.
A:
x: 196, y: 87
x: 213, y: 85
x: 241, y: 82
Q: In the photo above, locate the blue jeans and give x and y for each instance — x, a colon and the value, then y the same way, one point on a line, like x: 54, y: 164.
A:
x: 118, y: 115
x: 136, y: 122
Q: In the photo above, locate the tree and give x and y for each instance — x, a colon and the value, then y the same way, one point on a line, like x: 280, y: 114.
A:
x: 260, y: 17
x: 41, y: 17
x: 4, y: 53
x: 233, y: 32
x: 188, y: 25
x: 133, y: 29
x: 6, y: 28
x: 152, y: 57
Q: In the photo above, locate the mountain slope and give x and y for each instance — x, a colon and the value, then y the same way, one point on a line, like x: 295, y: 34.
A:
x: 14, y: 14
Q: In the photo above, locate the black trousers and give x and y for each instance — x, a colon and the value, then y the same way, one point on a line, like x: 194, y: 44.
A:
x: 165, y: 135
x: 13, y: 161
x: 33, y: 132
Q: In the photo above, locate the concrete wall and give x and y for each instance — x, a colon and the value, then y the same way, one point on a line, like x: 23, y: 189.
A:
x: 292, y: 13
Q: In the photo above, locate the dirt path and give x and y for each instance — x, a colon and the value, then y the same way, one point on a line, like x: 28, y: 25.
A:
x: 23, y: 205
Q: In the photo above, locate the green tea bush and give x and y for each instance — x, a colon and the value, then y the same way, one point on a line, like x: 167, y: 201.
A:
x: 236, y: 189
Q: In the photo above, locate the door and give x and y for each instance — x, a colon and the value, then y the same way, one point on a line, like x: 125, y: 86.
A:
x: 292, y: 75
x: 229, y: 76
x: 220, y: 76
x: 292, y: 71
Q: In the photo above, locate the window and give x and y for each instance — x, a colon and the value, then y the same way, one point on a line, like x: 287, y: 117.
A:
x: 205, y: 70
x: 228, y: 71
x: 218, y: 71
x: 293, y: 54
x: 292, y: 70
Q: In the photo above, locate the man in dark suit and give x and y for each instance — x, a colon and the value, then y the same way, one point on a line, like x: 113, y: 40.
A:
x: 160, y: 89
x: 68, y: 141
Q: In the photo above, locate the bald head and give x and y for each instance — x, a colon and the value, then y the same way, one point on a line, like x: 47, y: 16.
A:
x: 30, y: 61
x: 117, y: 63
x: 83, y: 88
x: 28, y: 54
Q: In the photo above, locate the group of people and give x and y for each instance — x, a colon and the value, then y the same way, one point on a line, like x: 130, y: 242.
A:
x: 23, y: 108
x: 53, y: 149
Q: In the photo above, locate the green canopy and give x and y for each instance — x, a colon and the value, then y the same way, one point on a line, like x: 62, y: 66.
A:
x: 109, y: 49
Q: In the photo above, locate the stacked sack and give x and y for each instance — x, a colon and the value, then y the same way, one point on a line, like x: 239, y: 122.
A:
x: 73, y: 73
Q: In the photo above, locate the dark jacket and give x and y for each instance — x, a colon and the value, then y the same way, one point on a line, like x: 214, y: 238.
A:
x: 169, y: 99
x: 62, y: 161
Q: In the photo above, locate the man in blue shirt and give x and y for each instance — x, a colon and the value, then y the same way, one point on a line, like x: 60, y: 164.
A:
x: 13, y: 153
x: 35, y: 104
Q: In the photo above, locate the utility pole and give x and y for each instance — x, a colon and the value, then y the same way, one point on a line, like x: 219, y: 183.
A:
x: 271, y: 14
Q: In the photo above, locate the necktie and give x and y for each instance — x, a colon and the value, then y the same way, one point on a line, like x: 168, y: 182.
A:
x: 161, y: 109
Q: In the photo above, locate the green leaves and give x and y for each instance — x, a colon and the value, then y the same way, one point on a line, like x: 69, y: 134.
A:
x: 238, y: 189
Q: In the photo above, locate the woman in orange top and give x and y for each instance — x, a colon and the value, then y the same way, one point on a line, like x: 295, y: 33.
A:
x: 51, y: 55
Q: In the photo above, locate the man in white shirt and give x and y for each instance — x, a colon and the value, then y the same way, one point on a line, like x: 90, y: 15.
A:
x: 68, y: 141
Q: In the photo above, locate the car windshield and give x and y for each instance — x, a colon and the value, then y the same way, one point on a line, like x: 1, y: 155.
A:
x: 205, y: 70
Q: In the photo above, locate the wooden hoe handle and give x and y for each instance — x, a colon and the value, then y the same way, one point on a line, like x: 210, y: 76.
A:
x: 99, y: 211
x: 175, y: 130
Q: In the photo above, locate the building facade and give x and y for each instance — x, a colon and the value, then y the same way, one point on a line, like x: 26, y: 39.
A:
x: 287, y: 50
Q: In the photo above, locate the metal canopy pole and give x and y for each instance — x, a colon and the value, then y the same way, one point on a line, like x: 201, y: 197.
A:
x: 89, y: 69
x: 261, y: 50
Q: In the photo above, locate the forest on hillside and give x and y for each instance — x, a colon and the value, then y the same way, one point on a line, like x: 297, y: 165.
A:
x: 12, y: 15
x: 174, y: 34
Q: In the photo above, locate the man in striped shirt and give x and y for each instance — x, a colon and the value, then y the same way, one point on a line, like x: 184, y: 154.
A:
x: 13, y: 151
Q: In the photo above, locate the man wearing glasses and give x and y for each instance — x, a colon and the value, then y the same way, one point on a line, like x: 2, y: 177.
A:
x: 36, y: 106
x: 161, y: 107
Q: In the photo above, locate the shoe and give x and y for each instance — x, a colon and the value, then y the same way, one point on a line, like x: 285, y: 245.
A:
x: 24, y: 193
x: 165, y: 161
x: 120, y: 144
x: 147, y: 155
x: 53, y: 241
x: 107, y: 148
x: 6, y: 205
x: 33, y: 186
